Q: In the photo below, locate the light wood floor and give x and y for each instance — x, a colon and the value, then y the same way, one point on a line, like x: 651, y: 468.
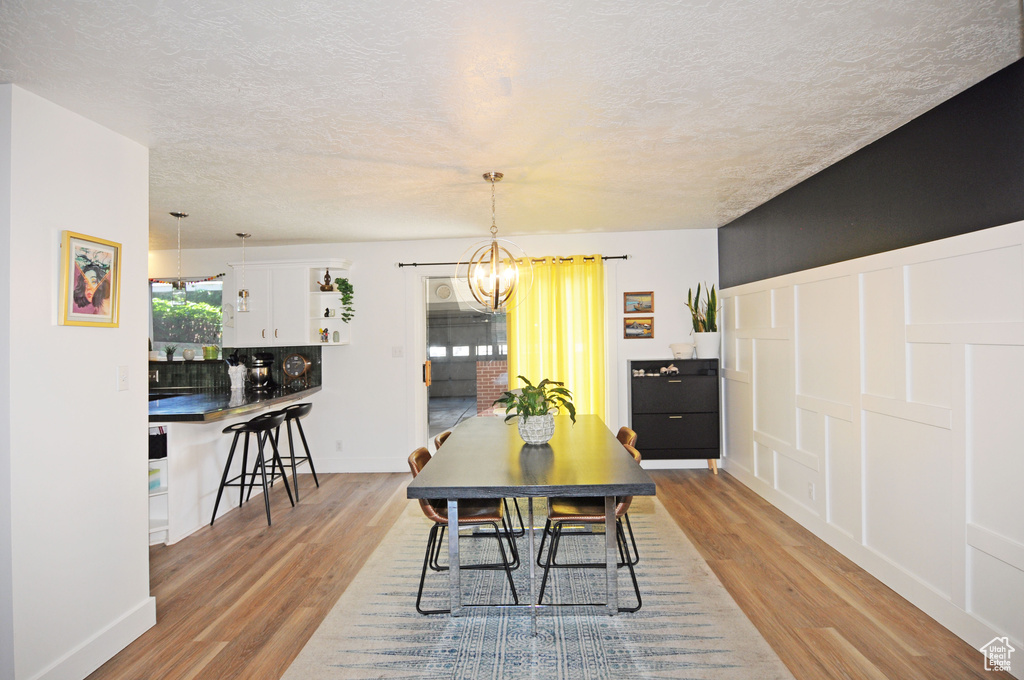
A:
x: 239, y: 600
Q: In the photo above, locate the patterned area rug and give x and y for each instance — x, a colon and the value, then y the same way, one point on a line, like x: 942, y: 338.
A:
x: 688, y: 626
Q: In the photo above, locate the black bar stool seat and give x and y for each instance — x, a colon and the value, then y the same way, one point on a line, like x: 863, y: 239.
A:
x: 262, y: 426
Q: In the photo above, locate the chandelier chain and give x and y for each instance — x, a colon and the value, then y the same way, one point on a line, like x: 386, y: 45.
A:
x: 494, y: 225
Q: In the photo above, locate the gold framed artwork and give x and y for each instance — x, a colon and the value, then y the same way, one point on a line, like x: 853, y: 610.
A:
x: 638, y: 303
x: 638, y: 327
x: 90, y: 281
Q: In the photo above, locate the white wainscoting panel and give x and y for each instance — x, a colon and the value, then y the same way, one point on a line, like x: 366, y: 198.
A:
x: 826, y: 332
x: 880, y: 403
x: 843, y: 493
x: 996, y: 420
x: 928, y: 374
x: 881, y: 333
x: 966, y: 288
x: 774, y: 393
x: 907, y: 474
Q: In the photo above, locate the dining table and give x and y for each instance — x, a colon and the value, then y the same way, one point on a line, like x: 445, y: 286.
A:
x: 485, y: 457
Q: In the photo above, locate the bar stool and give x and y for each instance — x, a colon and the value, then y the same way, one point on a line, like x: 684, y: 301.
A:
x: 294, y: 413
x: 261, y: 426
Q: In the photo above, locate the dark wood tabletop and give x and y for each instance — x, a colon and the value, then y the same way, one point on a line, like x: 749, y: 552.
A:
x: 486, y: 458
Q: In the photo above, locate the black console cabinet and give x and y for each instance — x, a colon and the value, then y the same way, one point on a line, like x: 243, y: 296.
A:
x: 676, y: 416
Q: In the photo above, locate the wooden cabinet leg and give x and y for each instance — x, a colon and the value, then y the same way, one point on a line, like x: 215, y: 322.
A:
x: 713, y: 465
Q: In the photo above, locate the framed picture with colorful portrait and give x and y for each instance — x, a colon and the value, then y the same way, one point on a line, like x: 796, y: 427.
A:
x: 90, y: 281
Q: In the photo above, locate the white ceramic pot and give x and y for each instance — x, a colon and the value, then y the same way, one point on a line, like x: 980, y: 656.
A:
x: 707, y: 345
x: 681, y: 350
x: 537, y: 429
x: 188, y: 354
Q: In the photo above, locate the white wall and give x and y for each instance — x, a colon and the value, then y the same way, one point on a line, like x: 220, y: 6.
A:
x: 879, y: 402
x: 77, y: 464
x: 373, y: 402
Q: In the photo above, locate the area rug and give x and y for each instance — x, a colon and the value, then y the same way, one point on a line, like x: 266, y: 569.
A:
x: 688, y: 627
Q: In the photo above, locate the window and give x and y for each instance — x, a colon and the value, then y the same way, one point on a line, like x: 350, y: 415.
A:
x: 189, y: 324
x: 436, y: 352
x: 460, y: 351
x: 484, y: 350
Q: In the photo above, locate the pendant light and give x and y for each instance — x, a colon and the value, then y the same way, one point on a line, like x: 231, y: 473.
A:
x: 178, y: 287
x: 242, y: 304
x: 495, y: 270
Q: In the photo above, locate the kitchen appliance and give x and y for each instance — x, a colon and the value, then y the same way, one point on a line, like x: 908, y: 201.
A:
x: 259, y: 372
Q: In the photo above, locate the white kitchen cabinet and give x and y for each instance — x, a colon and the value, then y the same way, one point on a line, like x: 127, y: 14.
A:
x: 278, y: 305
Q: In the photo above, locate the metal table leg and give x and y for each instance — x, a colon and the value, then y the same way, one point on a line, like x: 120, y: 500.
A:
x: 611, y: 555
x: 533, y: 584
x: 453, y: 557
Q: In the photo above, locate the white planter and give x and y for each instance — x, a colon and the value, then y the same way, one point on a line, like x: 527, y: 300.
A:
x: 537, y: 429
x: 707, y: 345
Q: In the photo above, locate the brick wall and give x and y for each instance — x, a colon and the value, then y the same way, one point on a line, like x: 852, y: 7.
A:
x: 491, y: 381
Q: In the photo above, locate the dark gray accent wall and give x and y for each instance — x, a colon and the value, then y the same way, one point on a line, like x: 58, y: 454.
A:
x: 955, y: 169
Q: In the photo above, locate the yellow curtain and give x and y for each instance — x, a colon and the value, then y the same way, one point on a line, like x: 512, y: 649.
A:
x: 557, y: 331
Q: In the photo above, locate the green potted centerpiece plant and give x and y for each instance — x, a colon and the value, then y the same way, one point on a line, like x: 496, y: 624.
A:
x: 535, y: 407
x: 705, y: 321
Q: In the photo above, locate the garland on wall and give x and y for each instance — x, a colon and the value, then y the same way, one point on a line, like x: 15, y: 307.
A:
x: 175, y: 282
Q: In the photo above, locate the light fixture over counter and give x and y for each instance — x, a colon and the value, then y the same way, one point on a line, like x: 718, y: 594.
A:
x: 242, y: 304
x: 498, y: 272
x: 178, y: 291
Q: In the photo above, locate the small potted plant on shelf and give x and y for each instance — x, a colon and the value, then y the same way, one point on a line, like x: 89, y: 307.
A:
x: 169, y: 351
x: 705, y: 322
x: 535, y: 407
x: 347, y: 309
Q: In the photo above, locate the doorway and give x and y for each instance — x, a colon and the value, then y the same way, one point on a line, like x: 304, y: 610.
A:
x: 468, y: 353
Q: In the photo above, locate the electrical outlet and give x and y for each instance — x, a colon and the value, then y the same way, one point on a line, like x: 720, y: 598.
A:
x: 154, y: 375
x: 810, y: 490
x: 337, y: 446
x: 396, y: 351
x: 122, y: 378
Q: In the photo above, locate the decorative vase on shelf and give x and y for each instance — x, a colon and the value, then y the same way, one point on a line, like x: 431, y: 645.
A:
x: 188, y: 354
x: 707, y: 345
x: 537, y: 429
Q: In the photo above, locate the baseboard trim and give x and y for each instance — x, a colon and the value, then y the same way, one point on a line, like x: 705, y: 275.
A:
x: 101, y: 647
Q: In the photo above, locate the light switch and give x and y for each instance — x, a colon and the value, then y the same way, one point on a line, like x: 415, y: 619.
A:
x: 122, y: 378
x: 396, y: 351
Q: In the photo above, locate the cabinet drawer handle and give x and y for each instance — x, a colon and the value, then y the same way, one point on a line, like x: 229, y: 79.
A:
x: 675, y: 381
x: 674, y: 417
x: 275, y: 332
x: 263, y: 333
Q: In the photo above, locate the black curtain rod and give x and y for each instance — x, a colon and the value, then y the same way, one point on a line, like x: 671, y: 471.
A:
x: 452, y: 264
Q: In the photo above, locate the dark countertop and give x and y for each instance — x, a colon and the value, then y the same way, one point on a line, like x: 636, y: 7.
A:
x: 208, y: 405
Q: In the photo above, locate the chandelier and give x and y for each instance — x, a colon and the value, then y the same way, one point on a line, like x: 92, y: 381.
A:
x: 495, y: 270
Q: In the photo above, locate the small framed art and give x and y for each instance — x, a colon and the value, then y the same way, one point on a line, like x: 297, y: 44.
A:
x: 90, y: 281
x: 638, y: 327
x: 638, y: 303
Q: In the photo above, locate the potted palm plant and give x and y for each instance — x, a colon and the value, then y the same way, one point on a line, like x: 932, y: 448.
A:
x: 535, y: 406
x: 705, y: 321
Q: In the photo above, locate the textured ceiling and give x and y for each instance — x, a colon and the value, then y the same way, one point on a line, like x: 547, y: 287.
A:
x: 329, y: 120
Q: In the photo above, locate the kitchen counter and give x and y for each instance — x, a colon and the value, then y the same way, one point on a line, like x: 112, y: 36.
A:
x: 210, y: 405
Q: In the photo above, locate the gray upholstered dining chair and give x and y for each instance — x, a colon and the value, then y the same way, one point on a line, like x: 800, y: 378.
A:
x: 472, y: 512
x: 587, y: 510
